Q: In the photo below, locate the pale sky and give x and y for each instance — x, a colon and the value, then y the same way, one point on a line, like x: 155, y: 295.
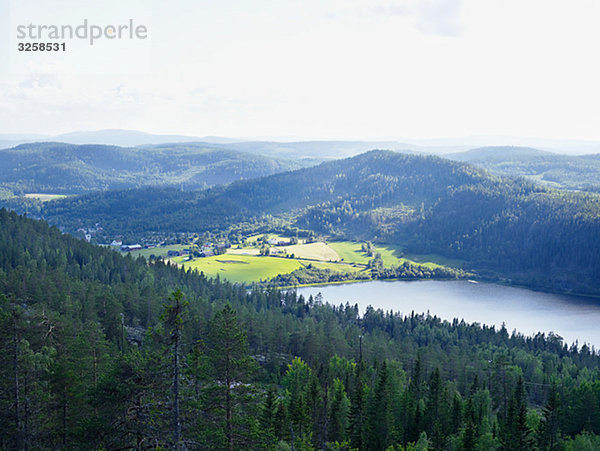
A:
x: 327, y: 69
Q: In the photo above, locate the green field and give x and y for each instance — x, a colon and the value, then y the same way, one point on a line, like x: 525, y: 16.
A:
x: 313, y: 251
x: 240, y: 265
x: 337, y: 267
x: 432, y: 260
x: 351, y: 252
x: 241, y: 268
x: 391, y: 254
x: 158, y: 251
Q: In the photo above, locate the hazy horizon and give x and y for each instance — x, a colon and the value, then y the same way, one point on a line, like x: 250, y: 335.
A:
x: 443, y: 145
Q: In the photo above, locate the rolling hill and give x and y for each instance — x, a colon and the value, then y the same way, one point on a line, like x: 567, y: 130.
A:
x: 502, y: 227
x: 71, y: 169
x: 376, y: 179
x: 575, y: 172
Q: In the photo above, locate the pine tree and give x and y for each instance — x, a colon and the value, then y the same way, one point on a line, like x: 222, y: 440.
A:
x: 516, y: 432
x: 172, y: 319
x: 357, y: 414
x: 296, y: 382
x: 338, y: 412
x: 231, y: 368
x: 268, y: 415
x: 549, y: 427
x: 379, y: 420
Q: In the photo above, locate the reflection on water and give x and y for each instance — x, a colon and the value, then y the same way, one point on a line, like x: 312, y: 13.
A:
x: 529, y: 312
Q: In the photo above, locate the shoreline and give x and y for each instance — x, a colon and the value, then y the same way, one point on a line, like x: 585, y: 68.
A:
x: 473, y: 279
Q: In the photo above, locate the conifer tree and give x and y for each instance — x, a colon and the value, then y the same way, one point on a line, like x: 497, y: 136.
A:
x: 516, y: 432
x: 172, y: 319
x: 549, y: 427
x: 231, y: 368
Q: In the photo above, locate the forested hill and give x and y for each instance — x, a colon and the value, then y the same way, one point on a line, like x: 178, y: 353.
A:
x: 95, y: 353
x: 60, y: 168
x: 511, y: 228
x: 368, y: 181
x: 578, y: 172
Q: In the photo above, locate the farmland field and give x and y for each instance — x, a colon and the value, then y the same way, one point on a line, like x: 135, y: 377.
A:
x: 158, y: 251
x: 351, y: 252
x: 391, y: 254
x: 242, y: 268
x: 244, y: 265
x: 313, y: 251
x: 433, y: 260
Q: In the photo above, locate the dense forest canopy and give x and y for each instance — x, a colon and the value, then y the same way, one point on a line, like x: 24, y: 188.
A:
x: 60, y: 168
x: 100, y: 350
x: 574, y: 172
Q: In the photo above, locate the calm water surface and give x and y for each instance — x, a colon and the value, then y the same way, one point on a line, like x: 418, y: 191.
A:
x: 529, y: 312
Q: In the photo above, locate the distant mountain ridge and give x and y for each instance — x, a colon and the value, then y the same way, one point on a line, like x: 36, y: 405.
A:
x: 70, y: 169
x: 578, y: 172
x: 128, y: 138
x: 114, y: 137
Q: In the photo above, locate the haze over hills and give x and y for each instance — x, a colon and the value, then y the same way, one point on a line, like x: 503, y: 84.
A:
x: 580, y: 172
x: 321, y: 149
x: 114, y: 137
x: 69, y: 169
x: 301, y: 148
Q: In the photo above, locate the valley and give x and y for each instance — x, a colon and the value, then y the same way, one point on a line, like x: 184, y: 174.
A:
x: 108, y: 293
x: 499, y: 228
x: 260, y: 263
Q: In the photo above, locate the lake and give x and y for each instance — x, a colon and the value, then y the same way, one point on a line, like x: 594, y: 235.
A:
x: 527, y: 311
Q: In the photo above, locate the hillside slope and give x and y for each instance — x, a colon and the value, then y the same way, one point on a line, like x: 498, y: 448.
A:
x: 368, y: 181
x: 71, y: 169
x: 502, y: 227
x: 575, y: 172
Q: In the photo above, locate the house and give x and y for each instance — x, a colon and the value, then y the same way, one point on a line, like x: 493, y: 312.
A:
x: 116, y: 243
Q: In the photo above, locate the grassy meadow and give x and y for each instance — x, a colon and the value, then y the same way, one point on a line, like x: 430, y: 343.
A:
x: 351, y: 252
x: 160, y: 251
x: 313, y: 251
x: 241, y: 268
x: 245, y: 265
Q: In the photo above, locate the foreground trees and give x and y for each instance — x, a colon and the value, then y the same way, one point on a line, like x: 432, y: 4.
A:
x: 91, y: 357
x: 193, y: 384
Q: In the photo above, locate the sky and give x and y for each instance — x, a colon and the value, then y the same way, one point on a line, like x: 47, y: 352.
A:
x: 310, y: 69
